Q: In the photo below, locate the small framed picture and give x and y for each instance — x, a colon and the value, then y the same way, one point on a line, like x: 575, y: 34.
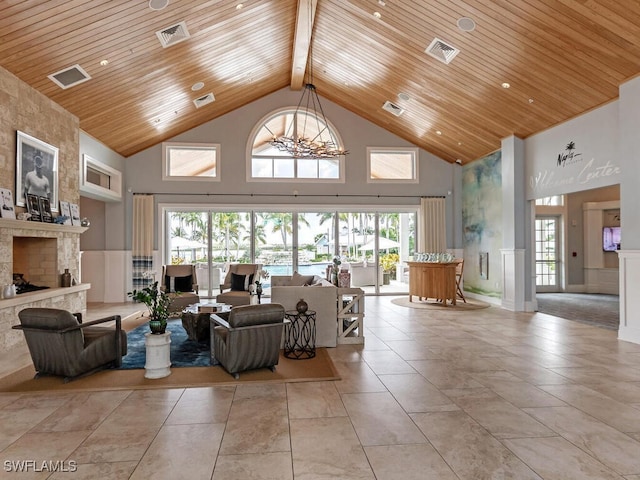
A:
x: 7, y: 208
x: 45, y: 209
x: 33, y: 207
x: 65, y: 211
x: 75, y: 214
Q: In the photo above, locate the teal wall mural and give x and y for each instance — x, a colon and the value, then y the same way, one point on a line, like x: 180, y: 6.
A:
x: 482, y: 225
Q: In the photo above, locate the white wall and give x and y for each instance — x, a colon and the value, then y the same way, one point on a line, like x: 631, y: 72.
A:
x: 143, y: 172
x: 595, y: 162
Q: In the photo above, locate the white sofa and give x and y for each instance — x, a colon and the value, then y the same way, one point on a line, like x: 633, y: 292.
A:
x: 320, y: 295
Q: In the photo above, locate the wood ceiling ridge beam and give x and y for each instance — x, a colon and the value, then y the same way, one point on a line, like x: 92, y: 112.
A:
x: 305, y: 18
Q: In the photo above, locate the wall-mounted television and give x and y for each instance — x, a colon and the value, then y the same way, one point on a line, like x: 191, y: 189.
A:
x: 610, y: 239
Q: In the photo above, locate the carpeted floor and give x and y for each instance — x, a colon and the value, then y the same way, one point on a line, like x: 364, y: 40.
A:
x: 594, y: 309
x: 320, y: 368
x: 471, y: 304
x: 184, y: 352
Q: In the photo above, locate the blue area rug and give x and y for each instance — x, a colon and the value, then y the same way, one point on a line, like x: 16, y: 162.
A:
x: 184, y: 352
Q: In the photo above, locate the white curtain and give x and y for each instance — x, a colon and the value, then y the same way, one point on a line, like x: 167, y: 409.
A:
x: 142, y: 241
x: 432, y: 226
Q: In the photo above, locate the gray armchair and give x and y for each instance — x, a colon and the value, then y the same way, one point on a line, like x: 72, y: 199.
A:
x: 249, y: 339
x: 60, y: 344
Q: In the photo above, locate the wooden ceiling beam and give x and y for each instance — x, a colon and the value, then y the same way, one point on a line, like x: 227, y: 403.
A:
x: 302, y: 41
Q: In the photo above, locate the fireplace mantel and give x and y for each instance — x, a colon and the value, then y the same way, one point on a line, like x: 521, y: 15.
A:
x: 40, y: 226
x: 39, y: 295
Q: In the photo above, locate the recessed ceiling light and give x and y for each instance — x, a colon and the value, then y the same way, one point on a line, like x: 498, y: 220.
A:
x: 104, y: 62
x: 466, y: 24
x: 197, y: 86
x: 404, y: 96
x: 377, y: 14
x: 506, y: 85
x: 158, y: 4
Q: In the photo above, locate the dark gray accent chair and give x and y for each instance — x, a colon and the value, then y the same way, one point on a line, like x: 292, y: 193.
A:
x: 60, y: 344
x: 250, y: 338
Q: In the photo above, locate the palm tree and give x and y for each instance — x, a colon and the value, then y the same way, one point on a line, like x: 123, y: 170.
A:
x: 282, y: 222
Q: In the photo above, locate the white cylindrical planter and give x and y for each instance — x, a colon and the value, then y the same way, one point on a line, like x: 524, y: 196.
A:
x: 158, y: 360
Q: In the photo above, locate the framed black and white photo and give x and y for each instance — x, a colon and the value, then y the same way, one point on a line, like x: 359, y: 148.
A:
x: 65, y: 211
x: 33, y: 207
x: 36, y: 170
x: 75, y: 214
x: 7, y: 208
x: 45, y: 209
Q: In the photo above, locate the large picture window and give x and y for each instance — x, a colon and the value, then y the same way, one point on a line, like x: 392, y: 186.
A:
x: 266, y: 162
x: 190, y: 161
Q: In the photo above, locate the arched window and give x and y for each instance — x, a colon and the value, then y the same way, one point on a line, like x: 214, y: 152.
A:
x: 267, y: 162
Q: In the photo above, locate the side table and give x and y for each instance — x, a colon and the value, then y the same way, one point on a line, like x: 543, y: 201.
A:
x: 158, y: 355
x: 300, y: 335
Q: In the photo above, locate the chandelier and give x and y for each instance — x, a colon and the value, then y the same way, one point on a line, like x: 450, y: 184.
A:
x: 308, y: 134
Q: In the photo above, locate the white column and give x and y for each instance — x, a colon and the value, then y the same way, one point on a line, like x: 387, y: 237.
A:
x: 629, y: 261
x: 516, y: 223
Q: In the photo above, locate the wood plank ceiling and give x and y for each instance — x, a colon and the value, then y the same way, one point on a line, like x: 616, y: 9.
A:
x: 560, y: 57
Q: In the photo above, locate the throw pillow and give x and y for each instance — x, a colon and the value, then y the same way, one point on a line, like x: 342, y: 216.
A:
x: 298, y: 280
x: 178, y: 284
x: 241, y: 283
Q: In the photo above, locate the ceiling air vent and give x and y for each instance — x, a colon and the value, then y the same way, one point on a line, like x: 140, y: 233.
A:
x: 70, y: 77
x: 173, y: 34
x: 204, y: 100
x: 442, y: 51
x: 393, y: 108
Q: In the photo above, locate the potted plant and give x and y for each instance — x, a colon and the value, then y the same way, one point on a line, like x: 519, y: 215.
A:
x: 158, y: 304
x: 388, y: 262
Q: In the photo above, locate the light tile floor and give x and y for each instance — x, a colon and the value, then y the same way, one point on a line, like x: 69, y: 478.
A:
x: 483, y: 394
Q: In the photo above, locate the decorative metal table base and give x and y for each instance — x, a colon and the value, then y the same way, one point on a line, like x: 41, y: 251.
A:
x: 300, y: 335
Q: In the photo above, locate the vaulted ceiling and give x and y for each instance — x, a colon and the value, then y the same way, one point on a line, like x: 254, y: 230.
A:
x: 560, y: 58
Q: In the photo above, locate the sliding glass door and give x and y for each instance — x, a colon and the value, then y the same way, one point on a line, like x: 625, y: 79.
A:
x: 375, y: 245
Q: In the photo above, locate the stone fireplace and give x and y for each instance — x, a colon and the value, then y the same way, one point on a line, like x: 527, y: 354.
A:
x: 36, y: 259
x: 41, y: 252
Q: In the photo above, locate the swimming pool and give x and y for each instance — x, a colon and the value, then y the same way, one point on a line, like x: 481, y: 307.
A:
x: 307, y: 269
